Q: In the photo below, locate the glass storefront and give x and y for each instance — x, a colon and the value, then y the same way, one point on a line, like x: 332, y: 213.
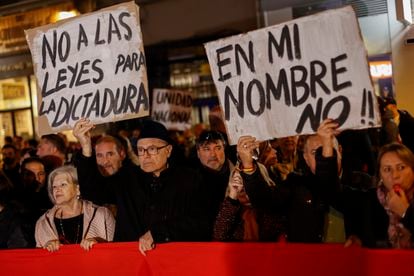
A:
x: 17, y: 108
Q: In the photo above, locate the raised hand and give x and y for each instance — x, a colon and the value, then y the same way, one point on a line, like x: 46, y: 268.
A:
x: 245, y: 147
x: 327, y: 131
x: 235, y: 184
x: 81, y: 131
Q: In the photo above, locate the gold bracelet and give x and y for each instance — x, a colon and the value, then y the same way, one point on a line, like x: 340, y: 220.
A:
x: 247, y: 170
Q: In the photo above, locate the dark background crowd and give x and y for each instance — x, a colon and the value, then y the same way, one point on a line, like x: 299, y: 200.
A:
x: 165, y: 186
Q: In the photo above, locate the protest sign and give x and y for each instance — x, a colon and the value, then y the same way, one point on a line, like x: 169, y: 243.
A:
x: 90, y: 66
x: 172, y: 108
x: 285, y: 79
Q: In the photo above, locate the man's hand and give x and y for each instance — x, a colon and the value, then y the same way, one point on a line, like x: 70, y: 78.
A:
x: 146, y: 242
x: 327, y: 131
x: 81, y: 131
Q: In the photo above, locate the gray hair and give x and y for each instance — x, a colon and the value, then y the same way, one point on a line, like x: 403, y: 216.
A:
x: 69, y: 171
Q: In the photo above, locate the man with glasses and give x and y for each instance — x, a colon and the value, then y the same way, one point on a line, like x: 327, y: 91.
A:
x: 175, y: 207
x: 157, y: 202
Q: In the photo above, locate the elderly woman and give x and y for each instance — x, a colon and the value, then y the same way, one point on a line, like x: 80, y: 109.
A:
x: 384, y: 216
x: 71, y: 220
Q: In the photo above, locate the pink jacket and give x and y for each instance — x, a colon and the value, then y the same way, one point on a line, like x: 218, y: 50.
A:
x: 97, y: 221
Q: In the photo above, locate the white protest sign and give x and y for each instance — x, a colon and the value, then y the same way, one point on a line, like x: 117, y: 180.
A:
x: 172, y: 108
x: 285, y: 79
x: 90, y: 66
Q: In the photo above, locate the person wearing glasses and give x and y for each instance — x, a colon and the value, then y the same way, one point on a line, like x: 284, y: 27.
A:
x: 174, y: 206
x: 159, y: 201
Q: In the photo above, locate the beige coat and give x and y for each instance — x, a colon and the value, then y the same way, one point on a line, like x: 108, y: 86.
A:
x: 97, y: 222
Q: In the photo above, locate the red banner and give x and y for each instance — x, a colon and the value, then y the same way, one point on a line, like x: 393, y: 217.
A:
x: 209, y: 259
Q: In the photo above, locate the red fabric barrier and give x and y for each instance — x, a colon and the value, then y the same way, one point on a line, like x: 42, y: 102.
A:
x: 209, y: 259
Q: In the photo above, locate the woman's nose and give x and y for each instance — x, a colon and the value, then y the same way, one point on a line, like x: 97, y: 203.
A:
x: 395, y: 173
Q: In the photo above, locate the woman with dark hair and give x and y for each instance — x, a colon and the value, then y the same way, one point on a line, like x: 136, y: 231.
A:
x: 72, y: 220
x: 384, y: 216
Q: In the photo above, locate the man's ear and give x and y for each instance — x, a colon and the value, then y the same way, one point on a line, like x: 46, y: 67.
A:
x: 169, y: 150
x: 122, y: 154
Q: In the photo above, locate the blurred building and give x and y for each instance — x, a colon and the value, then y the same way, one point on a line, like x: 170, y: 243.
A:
x: 174, y: 32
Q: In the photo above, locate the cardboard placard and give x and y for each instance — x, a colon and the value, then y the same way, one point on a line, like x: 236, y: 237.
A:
x: 285, y: 79
x: 90, y: 66
x: 172, y: 108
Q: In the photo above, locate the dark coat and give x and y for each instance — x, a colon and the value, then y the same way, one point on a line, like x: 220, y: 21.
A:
x: 11, y: 230
x: 229, y: 225
x: 117, y: 189
x: 367, y: 219
x: 216, y: 183
x: 172, y: 206
x: 406, y: 129
x: 304, y: 199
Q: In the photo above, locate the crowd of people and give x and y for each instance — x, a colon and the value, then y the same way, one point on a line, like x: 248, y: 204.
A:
x: 153, y: 188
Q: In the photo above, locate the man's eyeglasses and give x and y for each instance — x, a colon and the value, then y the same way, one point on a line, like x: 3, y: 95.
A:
x: 152, y: 150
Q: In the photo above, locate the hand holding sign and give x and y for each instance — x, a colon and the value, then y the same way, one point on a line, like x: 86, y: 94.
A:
x: 91, y: 66
x: 81, y: 131
x: 285, y: 80
x: 245, y: 147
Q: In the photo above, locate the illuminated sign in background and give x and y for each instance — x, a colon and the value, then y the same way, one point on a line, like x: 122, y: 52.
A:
x: 380, y: 69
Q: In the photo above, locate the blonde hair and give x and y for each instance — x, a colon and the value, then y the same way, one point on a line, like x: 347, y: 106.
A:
x: 69, y: 171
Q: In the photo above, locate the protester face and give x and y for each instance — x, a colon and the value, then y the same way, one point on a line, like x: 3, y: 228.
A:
x: 309, y: 151
x: 64, y: 190
x: 394, y: 171
x: 108, y: 158
x: 212, y: 155
x: 38, y: 170
x: 153, y: 154
x: 288, y: 143
x: 45, y: 148
x: 9, y: 156
x: 269, y: 156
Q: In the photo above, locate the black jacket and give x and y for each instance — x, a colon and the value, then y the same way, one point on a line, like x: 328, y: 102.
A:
x: 367, y: 219
x: 173, y: 206
x: 119, y: 189
x: 304, y: 199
